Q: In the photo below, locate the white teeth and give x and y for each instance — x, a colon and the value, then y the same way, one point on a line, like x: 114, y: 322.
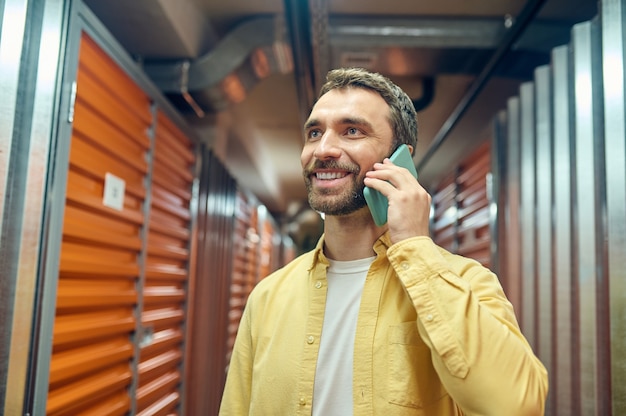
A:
x: 330, y: 175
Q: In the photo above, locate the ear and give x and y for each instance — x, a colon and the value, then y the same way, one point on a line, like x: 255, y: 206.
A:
x: 410, y: 149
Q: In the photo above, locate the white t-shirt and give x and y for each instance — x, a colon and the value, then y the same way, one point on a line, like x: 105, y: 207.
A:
x: 332, y: 392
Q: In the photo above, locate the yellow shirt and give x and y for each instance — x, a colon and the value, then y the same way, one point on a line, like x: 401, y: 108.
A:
x: 435, y: 336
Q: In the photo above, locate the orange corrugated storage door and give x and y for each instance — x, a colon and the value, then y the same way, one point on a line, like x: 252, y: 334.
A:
x: 267, y: 252
x: 461, y: 220
x: 473, y: 214
x: 165, y: 285
x: 245, y: 263
x: 90, y: 370
x: 445, y: 208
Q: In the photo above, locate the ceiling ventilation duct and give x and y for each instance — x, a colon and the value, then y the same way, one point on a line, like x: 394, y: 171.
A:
x: 262, y: 46
x: 252, y: 51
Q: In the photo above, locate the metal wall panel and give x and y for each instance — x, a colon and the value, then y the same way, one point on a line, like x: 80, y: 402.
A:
x: 543, y: 232
x: 511, y: 211
x: 579, y: 305
x: 613, y: 55
x: 588, y: 268
x: 527, y: 213
x: 208, y: 320
x: 497, y: 198
x: 13, y: 29
x: 562, y: 156
x: 30, y: 66
x: 564, y: 379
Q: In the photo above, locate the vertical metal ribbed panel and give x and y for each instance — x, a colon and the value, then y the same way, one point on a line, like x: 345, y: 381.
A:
x: 564, y: 380
x: 208, y: 319
x: 561, y: 164
x: 496, y: 194
x: 527, y: 213
x: 167, y: 272
x: 573, y: 199
x: 90, y: 368
x: 588, y: 267
x: 511, y: 208
x: 32, y: 51
x: 613, y: 55
x: 543, y: 232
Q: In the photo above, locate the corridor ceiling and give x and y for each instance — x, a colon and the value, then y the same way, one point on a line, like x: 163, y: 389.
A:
x: 244, y: 73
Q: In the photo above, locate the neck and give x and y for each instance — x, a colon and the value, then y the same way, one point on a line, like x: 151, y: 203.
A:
x: 351, y: 237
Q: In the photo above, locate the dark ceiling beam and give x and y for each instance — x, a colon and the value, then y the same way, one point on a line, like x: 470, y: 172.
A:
x: 298, y: 22
x: 528, y: 13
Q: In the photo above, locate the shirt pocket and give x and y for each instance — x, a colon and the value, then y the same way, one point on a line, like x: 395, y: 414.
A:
x: 413, y: 381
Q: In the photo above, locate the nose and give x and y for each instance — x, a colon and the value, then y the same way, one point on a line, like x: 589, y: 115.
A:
x: 328, y: 146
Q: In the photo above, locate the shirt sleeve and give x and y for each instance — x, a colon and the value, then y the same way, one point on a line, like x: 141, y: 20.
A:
x: 477, y: 348
x: 238, y: 388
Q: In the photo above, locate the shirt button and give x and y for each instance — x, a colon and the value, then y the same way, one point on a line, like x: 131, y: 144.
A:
x: 429, y: 317
x: 318, y: 284
x: 302, y: 401
x: 310, y: 339
x: 405, y: 266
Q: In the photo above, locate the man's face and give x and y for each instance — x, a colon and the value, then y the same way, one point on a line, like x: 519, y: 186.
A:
x: 347, y: 132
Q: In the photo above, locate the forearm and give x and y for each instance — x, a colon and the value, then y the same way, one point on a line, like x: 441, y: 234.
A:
x: 463, y: 316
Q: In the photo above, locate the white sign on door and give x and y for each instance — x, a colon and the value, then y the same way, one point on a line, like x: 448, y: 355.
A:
x: 113, y: 191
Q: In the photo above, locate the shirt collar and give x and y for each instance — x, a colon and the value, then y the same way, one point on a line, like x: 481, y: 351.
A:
x: 380, y: 247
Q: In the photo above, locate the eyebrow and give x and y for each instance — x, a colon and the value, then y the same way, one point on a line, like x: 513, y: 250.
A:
x: 311, y: 123
x: 357, y: 121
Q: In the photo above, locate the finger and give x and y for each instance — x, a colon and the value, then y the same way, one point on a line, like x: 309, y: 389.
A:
x: 392, y: 173
x: 387, y: 164
x: 385, y: 187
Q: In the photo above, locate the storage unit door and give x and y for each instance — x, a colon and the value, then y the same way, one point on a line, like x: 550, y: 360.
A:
x: 461, y: 208
x: 90, y: 370
x: 166, y: 278
x: 245, y: 262
x: 473, y: 214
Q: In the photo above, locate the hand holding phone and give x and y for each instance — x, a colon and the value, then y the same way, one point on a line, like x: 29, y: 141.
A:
x: 377, y: 202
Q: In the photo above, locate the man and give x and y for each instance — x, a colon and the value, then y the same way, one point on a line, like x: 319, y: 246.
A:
x: 377, y: 320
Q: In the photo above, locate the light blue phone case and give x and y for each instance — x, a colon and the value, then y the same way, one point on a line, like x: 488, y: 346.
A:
x: 376, y: 201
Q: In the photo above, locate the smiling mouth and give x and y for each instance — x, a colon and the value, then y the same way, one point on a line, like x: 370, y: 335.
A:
x: 324, y: 176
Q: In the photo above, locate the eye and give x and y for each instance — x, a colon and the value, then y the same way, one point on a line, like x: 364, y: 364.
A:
x: 352, y: 131
x: 314, y: 134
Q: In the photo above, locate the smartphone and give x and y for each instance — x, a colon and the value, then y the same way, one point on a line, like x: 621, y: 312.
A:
x: 376, y: 201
